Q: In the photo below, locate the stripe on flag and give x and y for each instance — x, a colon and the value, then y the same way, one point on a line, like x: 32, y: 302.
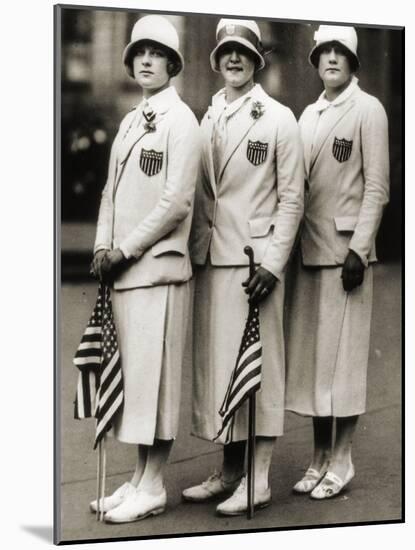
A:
x: 246, y: 376
x: 100, y: 390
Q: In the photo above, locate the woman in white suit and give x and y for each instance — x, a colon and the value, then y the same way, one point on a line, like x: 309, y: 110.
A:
x: 251, y: 193
x: 141, y: 251
x: 345, y: 138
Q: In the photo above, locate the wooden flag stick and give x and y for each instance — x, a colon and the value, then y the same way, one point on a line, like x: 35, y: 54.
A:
x: 251, y: 457
x: 251, y: 419
x: 99, y: 455
x: 104, y: 473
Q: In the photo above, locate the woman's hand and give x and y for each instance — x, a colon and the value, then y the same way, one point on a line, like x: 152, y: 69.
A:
x: 352, y: 272
x: 112, y: 264
x: 96, y: 265
x: 107, y: 264
x: 260, y: 286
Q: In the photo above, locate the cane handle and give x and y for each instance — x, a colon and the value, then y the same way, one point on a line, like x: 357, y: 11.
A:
x: 250, y: 253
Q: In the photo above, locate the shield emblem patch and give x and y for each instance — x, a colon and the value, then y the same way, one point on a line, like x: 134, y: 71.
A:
x: 342, y: 149
x: 151, y: 162
x: 256, y: 152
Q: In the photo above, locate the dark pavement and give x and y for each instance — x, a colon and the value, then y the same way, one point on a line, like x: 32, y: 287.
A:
x: 373, y: 495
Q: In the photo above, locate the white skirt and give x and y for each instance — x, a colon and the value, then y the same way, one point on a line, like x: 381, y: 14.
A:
x: 220, y: 312
x: 328, y: 336
x: 151, y: 327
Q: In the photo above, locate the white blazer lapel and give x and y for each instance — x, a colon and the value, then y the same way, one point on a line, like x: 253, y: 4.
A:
x: 235, y: 138
x: 307, y: 133
x: 133, y: 136
x: 207, y: 157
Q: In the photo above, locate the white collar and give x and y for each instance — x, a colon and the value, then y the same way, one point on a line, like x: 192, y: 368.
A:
x: 219, y: 101
x: 162, y: 101
x: 323, y: 103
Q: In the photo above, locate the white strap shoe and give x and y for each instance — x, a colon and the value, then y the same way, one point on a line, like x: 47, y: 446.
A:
x: 310, y: 479
x: 332, y: 484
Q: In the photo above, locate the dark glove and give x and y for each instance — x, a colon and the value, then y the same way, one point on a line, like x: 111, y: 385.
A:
x: 352, y: 272
x: 96, y: 264
x: 112, y: 265
x: 260, y: 286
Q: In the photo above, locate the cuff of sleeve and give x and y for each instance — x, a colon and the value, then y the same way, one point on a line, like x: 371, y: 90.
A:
x: 271, y: 269
x: 128, y: 253
x: 101, y: 247
x: 363, y: 257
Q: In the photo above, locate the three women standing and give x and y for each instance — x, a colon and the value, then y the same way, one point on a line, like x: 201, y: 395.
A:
x: 141, y: 250
x: 250, y: 192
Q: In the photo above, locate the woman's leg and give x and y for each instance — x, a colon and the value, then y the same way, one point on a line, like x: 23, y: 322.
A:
x: 323, y: 438
x: 152, y: 480
x: 323, y: 441
x: 233, y: 461
x: 140, y: 464
x: 342, y: 451
x: 263, y: 454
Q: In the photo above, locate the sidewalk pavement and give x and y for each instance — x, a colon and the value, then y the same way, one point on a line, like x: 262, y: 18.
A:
x: 374, y: 495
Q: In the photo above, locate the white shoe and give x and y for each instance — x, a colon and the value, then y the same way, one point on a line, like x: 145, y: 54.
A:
x: 310, y: 479
x: 110, y: 502
x: 237, y: 504
x: 213, y: 487
x: 137, y: 506
x: 332, y: 484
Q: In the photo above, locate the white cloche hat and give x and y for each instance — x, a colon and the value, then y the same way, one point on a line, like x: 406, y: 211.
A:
x: 242, y: 31
x: 157, y: 29
x: 346, y: 36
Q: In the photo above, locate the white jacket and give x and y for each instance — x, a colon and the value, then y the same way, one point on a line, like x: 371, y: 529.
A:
x: 147, y: 203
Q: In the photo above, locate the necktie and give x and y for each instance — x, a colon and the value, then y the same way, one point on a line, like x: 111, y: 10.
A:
x: 219, y: 139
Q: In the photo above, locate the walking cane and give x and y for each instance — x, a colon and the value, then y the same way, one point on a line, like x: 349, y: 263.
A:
x: 251, y: 417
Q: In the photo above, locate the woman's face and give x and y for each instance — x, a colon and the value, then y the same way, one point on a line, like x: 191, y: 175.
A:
x: 150, y: 68
x: 236, y: 64
x: 334, y: 67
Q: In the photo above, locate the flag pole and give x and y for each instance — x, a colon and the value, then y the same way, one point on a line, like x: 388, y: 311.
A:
x: 251, y: 418
x: 104, y: 472
x: 99, y: 461
x: 251, y: 457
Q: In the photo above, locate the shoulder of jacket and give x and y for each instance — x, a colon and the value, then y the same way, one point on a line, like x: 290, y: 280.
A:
x: 128, y: 117
x: 180, y: 108
x: 278, y: 107
x: 368, y: 99
x: 369, y: 105
x: 182, y: 121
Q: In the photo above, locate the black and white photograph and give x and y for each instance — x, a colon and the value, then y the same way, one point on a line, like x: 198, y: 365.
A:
x: 226, y: 353
x: 231, y: 244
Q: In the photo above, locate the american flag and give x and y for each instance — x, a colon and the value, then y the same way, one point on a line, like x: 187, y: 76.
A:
x: 246, y: 376
x: 100, y: 386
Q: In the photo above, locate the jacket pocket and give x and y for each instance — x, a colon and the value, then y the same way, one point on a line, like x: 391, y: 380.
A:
x: 260, y: 227
x: 345, y: 224
x: 176, y: 246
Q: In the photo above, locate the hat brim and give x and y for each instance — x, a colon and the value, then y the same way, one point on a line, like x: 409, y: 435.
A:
x: 314, y: 55
x: 239, y: 40
x: 126, y: 56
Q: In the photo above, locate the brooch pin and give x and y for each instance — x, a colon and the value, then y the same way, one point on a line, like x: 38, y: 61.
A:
x: 257, y: 110
x: 150, y: 125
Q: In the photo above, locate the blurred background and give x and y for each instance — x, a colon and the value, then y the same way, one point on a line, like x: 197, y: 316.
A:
x: 96, y: 93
